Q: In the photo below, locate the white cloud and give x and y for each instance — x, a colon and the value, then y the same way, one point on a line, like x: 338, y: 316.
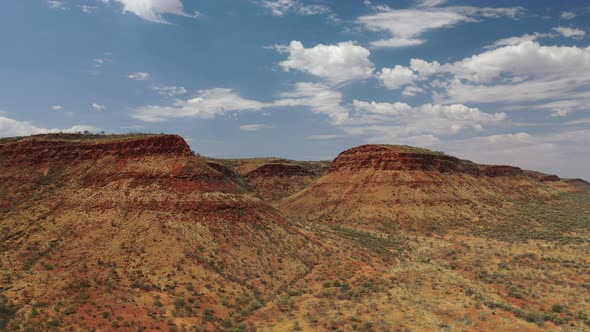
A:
x: 395, y: 78
x: 98, y: 107
x: 253, y: 127
x: 517, y: 40
x: 10, y: 127
x: 87, y: 9
x: 411, y: 91
x: 551, y: 153
x: 153, y: 10
x: 526, y: 75
x: 406, y: 25
x: 281, y: 7
x: 396, y: 42
x: 100, y: 61
x: 56, y: 4
x: 208, y: 104
x: 400, y: 119
x: 567, y: 15
x: 170, y: 91
x: 430, y: 3
x: 56, y: 107
x: 571, y: 32
x: 320, y: 98
x: 140, y: 76
x: 423, y: 68
x: 560, y: 112
x: 339, y: 63
x: 528, y: 59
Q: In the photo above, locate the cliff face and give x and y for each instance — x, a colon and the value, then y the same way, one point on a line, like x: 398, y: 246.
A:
x: 388, y: 158
x: 135, y: 214
x: 549, y: 178
x: 36, y: 151
x: 502, y: 170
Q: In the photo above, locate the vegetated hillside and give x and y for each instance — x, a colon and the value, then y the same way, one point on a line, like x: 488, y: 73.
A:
x: 411, y: 185
x: 124, y: 231
x: 273, y: 178
x: 579, y: 183
x: 133, y: 233
x: 474, y: 247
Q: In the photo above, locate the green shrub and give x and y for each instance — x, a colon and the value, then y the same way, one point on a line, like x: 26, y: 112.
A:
x: 557, y: 307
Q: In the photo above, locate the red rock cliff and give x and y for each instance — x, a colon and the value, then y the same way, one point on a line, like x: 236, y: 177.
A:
x: 502, y: 170
x: 37, y: 151
x: 381, y: 157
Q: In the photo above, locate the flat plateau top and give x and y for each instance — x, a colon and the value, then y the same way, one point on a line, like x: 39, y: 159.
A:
x: 79, y: 138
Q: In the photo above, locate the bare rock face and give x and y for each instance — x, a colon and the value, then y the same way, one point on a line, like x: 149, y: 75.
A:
x: 549, y: 178
x: 502, y: 170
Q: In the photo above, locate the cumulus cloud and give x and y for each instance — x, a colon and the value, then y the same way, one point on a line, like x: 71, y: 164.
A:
x: 10, y: 127
x: 526, y: 75
x: 339, y: 63
x: 523, y: 73
x: 401, y: 119
x: 571, y: 32
x: 281, y: 7
x: 170, y: 91
x: 206, y: 105
x: 395, y: 78
x: 56, y: 107
x: 318, y: 97
x: 140, y: 76
x: 405, y: 26
x: 153, y: 10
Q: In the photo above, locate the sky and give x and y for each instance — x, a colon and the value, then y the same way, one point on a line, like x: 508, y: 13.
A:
x: 496, y: 82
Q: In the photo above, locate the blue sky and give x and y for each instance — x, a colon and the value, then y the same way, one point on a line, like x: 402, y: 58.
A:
x: 491, y: 81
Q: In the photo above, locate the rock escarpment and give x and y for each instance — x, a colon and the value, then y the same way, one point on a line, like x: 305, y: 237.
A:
x: 399, y: 158
x: 50, y: 148
x: 549, y: 178
x: 502, y: 170
x: 278, y: 170
x: 402, y: 182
